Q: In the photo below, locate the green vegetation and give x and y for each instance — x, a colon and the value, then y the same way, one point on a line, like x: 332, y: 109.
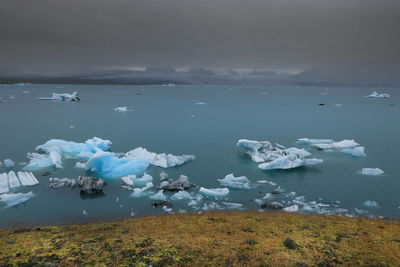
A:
x: 214, y: 239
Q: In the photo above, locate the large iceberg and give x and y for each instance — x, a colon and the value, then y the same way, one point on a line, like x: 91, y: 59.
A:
x: 107, y: 165
x: 135, y: 181
x: 161, y: 160
x: 62, y: 97
x: 11, y: 199
x: 214, y: 192
x: 275, y: 157
x: 375, y: 94
x: 233, y: 182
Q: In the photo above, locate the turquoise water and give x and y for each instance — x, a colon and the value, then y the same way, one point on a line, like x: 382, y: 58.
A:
x: 166, y: 119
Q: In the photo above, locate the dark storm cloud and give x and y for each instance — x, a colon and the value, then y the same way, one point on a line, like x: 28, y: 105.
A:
x: 73, y: 35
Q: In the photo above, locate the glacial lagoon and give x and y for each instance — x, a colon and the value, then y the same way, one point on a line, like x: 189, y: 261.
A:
x: 205, y: 121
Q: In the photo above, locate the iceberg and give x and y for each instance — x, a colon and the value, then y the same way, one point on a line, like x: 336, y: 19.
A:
x: 141, y: 192
x: 159, y: 196
x: 4, y: 183
x: 107, y: 165
x: 42, y: 161
x: 294, y: 208
x: 307, y: 141
x: 371, y: 203
x: 182, y: 183
x: 214, y: 192
x: 277, y: 158
x: 13, y: 180
x: 181, y: 195
x: 354, y: 151
x: 8, y: 163
x: 134, y: 181
x: 337, y: 145
x: 372, y: 171
x: 375, y: 94
x: 14, y: 199
x: 62, y: 97
x: 80, y: 165
x: 74, y: 150
x: 121, y: 109
x: 235, y: 182
x: 232, y: 206
x: 27, y: 178
x: 161, y: 160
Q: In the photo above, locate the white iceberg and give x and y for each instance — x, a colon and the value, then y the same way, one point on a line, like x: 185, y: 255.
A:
x: 121, y: 109
x: 181, y: 195
x: 258, y: 150
x: 4, y: 183
x: 232, y: 206
x: 358, y: 151
x: 80, y: 165
x: 11, y: 199
x: 337, y: 145
x: 160, y: 160
x: 372, y: 171
x: 200, y: 103
x: 13, y: 180
x: 375, y: 94
x: 371, y: 203
x: 141, y: 192
x: 27, y: 178
x: 294, y: 208
x: 235, y: 182
x: 135, y: 181
x: 159, y: 196
x: 288, y: 162
x: 8, y: 163
x: 214, y: 192
x: 107, y: 165
x: 62, y: 97
x: 307, y: 141
x: 43, y: 161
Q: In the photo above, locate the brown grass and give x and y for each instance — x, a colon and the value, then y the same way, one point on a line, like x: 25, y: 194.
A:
x: 214, y: 239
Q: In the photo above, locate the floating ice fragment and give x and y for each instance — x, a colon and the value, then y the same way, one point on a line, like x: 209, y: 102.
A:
x: 84, y: 212
x: 62, y: 97
x: 235, y: 182
x: 11, y: 199
x: 294, y: 208
x: 121, y: 109
x: 160, y: 160
x: 80, y: 165
x: 159, y: 196
x: 181, y: 195
x: 4, y: 183
x: 262, y: 181
x: 107, y: 165
x: 13, y: 180
x: 307, y: 141
x: 214, y: 192
x: 27, y: 179
x: 375, y: 94
x: 370, y: 203
x: 232, y: 206
x: 135, y: 181
x: 354, y: 151
x: 8, y: 163
x: 372, y: 171
x: 163, y: 176
x: 337, y: 145
x: 200, y: 103
x: 41, y: 161
x: 57, y: 183
x: 141, y: 192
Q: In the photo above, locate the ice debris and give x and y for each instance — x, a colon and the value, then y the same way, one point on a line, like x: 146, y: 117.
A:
x: 11, y: 199
x: 80, y: 165
x: 107, y: 165
x: 232, y: 206
x: 42, y: 161
x: 90, y: 185
x: 159, y: 196
x: 235, y: 182
x: 307, y: 141
x: 181, y: 195
x: 375, y: 94
x: 62, y: 97
x: 8, y: 163
x: 57, y: 183
x: 262, y: 151
x: 4, y: 183
x: 121, y: 109
x: 350, y: 147
x: 370, y: 203
x: 294, y: 208
x: 214, y: 192
x: 134, y: 181
x: 140, y: 192
x: 13, y: 180
x: 182, y: 183
x: 161, y: 160
x: 372, y: 171
x: 27, y: 178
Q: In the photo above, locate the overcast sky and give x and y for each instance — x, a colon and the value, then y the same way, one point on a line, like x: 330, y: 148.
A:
x: 76, y: 35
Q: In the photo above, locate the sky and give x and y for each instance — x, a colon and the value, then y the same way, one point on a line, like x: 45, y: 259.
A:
x: 83, y: 35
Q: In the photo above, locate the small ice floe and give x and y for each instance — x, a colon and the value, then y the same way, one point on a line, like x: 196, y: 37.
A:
x: 211, y: 206
x: 57, y: 183
x: 274, y: 157
x: 43, y: 161
x: 71, y: 126
x: 13, y: 180
x: 84, y: 212
x: 371, y: 203
x: 200, y: 103
x: 371, y: 171
x: 232, y: 206
x: 181, y: 195
x: 121, y: 109
x: 163, y: 176
x: 294, y: 208
x: 214, y: 192
x: 8, y: 163
x: 135, y: 181
x: 117, y: 199
x: 62, y: 97
x: 4, y: 183
x: 354, y: 151
x: 159, y: 196
x: 107, y: 165
x: 268, y: 196
x: 161, y: 160
x: 167, y: 209
x: 27, y: 179
x: 132, y: 213
x: 80, y: 165
x: 235, y: 182
x: 375, y: 94
x: 307, y: 141
x: 169, y: 84
x: 346, y: 146
x: 25, y: 92
x: 338, y: 105
x: 11, y: 199
x: 182, y: 183
x: 262, y: 181
x: 141, y: 192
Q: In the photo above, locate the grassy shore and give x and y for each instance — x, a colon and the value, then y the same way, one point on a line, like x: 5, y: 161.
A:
x: 216, y: 239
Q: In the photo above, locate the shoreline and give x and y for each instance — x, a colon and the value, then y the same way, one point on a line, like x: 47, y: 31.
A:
x: 212, y: 238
